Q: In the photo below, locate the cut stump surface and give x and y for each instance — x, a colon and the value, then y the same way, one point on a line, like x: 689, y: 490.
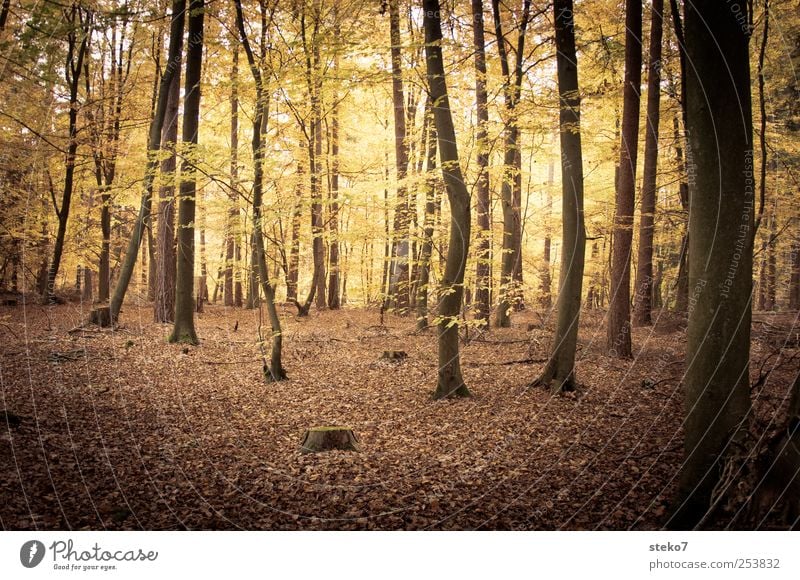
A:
x: 319, y: 439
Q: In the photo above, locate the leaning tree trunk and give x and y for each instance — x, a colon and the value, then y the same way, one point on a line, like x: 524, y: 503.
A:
x: 643, y: 297
x: 274, y: 370
x: 184, y: 331
x: 619, y: 310
x: 153, y: 146
x: 716, y: 384
x: 450, y: 382
x: 484, y: 250
x: 559, y: 373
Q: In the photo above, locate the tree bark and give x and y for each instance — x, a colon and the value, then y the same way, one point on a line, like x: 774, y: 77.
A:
x: 484, y: 250
x: 716, y: 383
x: 183, y: 330
x: 619, y: 311
x: 643, y: 297
x: 233, y: 209
x: 428, y: 222
x: 77, y: 39
x: 273, y: 371
x: 164, y: 305
x: 399, y: 281
x: 450, y: 381
x: 559, y: 373
x: 334, y: 296
x: 510, y: 270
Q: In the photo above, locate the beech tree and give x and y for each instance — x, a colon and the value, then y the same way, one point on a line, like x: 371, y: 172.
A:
x: 619, y: 310
x: 643, y: 297
x: 511, y: 188
x: 717, y: 381
x: 559, y: 373
x: 450, y: 382
x: 78, y: 21
x: 483, y: 267
x: 183, y: 330
x: 274, y: 370
x: 153, y: 147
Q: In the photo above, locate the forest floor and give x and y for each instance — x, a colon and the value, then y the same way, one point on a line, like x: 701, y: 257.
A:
x: 121, y: 430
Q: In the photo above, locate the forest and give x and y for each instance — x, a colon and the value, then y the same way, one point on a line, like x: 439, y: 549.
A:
x: 399, y: 264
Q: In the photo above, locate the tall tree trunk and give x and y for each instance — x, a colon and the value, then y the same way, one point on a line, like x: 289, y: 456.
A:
x: 510, y: 270
x: 643, y: 297
x: 164, y: 305
x: 232, y: 231
x: 294, y: 249
x: 772, y: 266
x: 682, y: 286
x: 794, y: 277
x: 559, y: 373
x: 399, y: 281
x: 716, y: 383
x: 619, y: 311
x: 334, y: 300
x: 484, y: 250
x: 77, y: 38
x: 153, y: 146
x: 426, y: 251
x: 273, y: 371
x: 450, y: 382
x: 183, y: 330
x: 546, y: 281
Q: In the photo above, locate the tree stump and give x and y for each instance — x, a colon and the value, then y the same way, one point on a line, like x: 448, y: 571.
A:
x: 101, y: 316
x: 319, y: 439
x: 396, y: 355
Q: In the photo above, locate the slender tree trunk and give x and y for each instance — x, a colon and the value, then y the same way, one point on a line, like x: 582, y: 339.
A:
x: 716, y: 383
x: 772, y: 266
x: 484, y: 250
x: 294, y: 249
x: 334, y: 300
x: 559, y: 373
x: 273, y: 371
x: 682, y: 286
x: 183, y: 330
x: 153, y: 146
x: 546, y: 281
x: 619, y: 311
x: 510, y: 270
x: 423, y: 283
x: 4, y: 14
x: 643, y: 297
x: 77, y: 38
x: 399, y: 281
x: 450, y: 381
x: 794, y: 277
x: 233, y: 209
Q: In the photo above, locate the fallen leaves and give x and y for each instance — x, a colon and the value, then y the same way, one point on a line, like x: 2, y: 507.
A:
x: 137, y: 434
